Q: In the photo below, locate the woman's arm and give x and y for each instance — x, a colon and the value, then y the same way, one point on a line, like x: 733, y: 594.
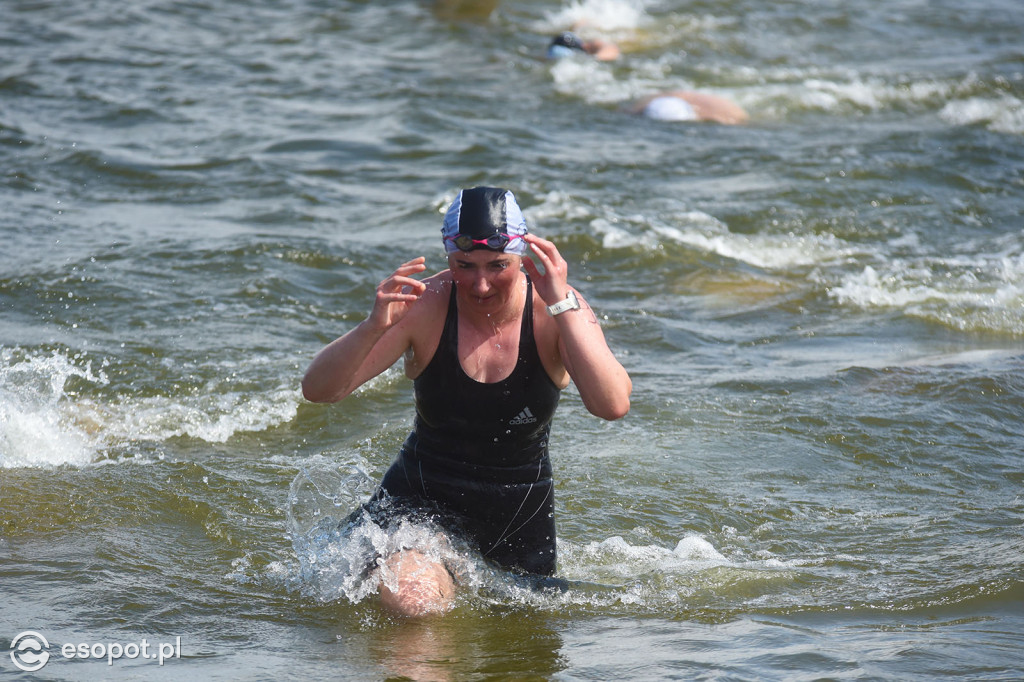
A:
x: 372, y: 346
x: 602, y: 381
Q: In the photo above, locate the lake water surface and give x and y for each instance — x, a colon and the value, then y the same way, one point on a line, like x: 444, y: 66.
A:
x: 822, y: 312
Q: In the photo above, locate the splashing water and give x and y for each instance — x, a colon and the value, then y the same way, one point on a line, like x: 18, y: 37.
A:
x: 340, y: 549
x: 52, y: 412
x: 340, y: 555
x: 41, y: 422
x: 603, y: 15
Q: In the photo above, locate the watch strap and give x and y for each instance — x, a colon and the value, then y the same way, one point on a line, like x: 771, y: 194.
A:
x: 570, y: 302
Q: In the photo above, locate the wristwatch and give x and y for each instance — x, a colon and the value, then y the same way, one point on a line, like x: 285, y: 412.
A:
x: 570, y: 303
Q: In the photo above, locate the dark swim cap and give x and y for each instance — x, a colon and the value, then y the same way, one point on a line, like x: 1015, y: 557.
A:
x: 565, y: 45
x: 485, y: 212
x: 569, y: 40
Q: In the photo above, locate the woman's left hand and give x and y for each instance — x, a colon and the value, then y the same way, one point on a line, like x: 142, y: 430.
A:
x: 552, y: 286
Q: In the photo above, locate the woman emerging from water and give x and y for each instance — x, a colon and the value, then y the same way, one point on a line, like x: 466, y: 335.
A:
x: 489, y: 343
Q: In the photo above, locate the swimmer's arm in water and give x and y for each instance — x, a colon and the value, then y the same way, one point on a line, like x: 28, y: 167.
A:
x: 373, y: 345
x: 603, y: 383
x: 602, y: 50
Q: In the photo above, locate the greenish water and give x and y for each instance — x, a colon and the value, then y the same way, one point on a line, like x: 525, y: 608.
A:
x: 821, y: 311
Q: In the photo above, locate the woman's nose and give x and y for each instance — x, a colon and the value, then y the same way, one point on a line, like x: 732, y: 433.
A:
x: 481, y: 285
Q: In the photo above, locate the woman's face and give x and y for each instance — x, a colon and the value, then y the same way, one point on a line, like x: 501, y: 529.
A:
x: 485, y: 279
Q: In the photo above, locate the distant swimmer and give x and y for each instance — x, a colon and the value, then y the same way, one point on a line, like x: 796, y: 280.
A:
x: 675, y: 105
x: 686, y: 105
x: 568, y: 43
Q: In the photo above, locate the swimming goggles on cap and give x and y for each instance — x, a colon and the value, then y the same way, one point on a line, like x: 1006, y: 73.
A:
x: 496, y: 242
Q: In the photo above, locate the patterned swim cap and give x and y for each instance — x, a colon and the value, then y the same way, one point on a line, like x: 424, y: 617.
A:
x: 484, y: 218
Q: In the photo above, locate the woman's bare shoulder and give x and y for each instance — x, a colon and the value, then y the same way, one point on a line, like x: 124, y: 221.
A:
x: 426, y: 321
x: 438, y: 289
x: 431, y: 304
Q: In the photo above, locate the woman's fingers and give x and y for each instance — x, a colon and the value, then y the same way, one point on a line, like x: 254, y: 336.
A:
x: 415, y: 265
x: 547, y: 252
x: 396, y: 293
x: 552, y: 285
x: 400, y: 283
x: 541, y: 247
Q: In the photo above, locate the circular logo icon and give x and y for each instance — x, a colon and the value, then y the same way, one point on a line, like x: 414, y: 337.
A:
x: 29, y: 651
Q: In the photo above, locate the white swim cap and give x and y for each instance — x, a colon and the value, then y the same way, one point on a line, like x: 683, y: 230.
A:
x: 669, y: 108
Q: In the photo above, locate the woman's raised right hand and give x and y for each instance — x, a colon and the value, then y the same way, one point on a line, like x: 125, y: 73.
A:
x: 397, y: 293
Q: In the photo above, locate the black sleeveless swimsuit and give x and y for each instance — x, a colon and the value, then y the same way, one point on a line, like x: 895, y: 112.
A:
x: 479, y: 452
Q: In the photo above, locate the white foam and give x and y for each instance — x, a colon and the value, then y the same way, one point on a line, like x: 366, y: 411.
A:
x: 615, y: 237
x: 966, y: 293
x: 777, y: 252
x: 614, y: 559
x: 706, y: 233
x: 1003, y: 115
x: 655, y: 576
x: 777, y: 92
x: 40, y: 424
x: 589, y: 80
x: 209, y: 417
x: 555, y: 205
x: 37, y: 436
x: 43, y: 422
x: 600, y: 15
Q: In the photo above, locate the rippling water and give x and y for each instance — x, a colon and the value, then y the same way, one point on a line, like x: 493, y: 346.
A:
x: 822, y: 311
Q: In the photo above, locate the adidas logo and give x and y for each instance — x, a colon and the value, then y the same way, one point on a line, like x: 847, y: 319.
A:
x: 524, y: 417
